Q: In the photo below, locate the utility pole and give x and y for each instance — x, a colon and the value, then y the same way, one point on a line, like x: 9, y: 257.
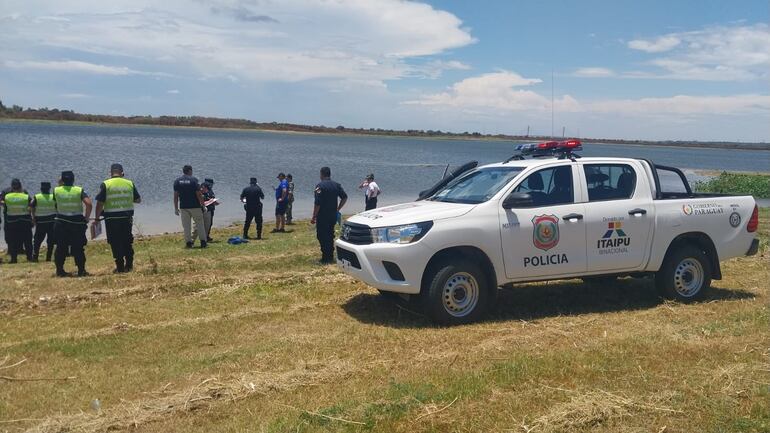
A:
x: 563, y: 130
x: 552, y: 103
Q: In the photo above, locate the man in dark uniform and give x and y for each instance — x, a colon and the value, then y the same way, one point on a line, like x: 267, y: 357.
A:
x: 325, y: 213
x: 252, y: 197
x: 115, y: 203
x: 18, y: 221
x: 209, y: 221
x: 43, y: 213
x: 73, y: 210
x: 208, y: 217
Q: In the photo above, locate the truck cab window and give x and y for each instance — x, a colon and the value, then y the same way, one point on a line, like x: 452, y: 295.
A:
x: 610, y: 181
x: 550, y: 186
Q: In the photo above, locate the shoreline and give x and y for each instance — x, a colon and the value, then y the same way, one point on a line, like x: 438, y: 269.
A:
x: 508, y: 139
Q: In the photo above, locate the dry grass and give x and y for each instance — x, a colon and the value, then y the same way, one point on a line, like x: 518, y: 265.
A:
x: 258, y: 338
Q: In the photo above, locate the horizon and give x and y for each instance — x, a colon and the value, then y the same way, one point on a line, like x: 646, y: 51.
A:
x: 624, y: 71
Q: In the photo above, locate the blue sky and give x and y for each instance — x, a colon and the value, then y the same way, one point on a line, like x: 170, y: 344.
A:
x: 622, y: 69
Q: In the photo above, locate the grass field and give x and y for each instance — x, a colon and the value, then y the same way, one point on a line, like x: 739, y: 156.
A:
x: 258, y: 338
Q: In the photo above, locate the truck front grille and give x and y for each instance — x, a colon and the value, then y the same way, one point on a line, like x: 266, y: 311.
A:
x: 357, y: 234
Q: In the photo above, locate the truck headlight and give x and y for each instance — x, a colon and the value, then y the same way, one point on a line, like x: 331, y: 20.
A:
x: 401, y: 234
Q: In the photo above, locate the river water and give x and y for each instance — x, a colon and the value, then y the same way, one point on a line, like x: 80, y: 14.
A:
x: 153, y: 158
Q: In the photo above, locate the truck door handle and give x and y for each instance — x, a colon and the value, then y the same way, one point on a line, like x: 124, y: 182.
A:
x: 638, y: 211
x: 572, y: 216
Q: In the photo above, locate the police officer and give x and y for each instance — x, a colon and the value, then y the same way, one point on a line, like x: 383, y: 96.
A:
x: 73, y: 210
x: 325, y: 213
x: 43, y: 213
x: 209, y: 220
x: 115, y: 203
x: 252, y: 197
x: 18, y: 221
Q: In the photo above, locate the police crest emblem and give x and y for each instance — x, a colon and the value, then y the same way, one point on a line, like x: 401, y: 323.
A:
x: 545, y: 233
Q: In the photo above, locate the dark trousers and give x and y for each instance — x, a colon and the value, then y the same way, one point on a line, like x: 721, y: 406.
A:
x: 256, y: 215
x: 18, y: 236
x: 371, y: 203
x: 70, y: 238
x: 121, y: 241
x: 324, y: 229
x: 44, y: 232
x: 210, y: 222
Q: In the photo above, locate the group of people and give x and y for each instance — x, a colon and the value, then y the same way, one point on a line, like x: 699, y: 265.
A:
x: 60, y: 216
x: 195, y: 203
x: 329, y: 198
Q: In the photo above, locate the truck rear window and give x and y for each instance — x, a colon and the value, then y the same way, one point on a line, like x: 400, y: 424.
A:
x: 610, y: 181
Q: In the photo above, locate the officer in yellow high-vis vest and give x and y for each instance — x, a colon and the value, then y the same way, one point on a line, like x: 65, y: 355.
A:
x: 115, y: 204
x: 18, y: 221
x: 43, y: 213
x: 73, y: 210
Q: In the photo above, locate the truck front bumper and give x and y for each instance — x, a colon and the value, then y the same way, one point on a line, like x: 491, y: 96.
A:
x: 753, y: 248
x: 389, y: 267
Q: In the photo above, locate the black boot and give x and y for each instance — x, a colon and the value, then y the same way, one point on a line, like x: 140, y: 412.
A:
x: 119, y: 267
x: 129, y: 264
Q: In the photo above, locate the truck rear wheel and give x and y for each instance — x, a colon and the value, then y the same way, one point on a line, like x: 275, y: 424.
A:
x: 457, y: 293
x: 685, y: 275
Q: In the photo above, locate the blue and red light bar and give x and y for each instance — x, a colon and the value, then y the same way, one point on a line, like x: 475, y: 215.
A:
x: 550, y: 147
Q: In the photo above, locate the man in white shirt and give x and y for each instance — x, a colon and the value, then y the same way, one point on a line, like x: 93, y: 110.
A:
x: 371, y: 191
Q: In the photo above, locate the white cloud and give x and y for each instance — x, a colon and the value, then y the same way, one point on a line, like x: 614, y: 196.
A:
x: 659, y: 45
x: 75, y: 95
x: 735, y: 53
x: 73, y: 66
x: 494, y: 91
x: 290, y: 40
x: 591, y: 72
x: 435, y: 68
x: 173, y: 92
x: 686, y: 105
x: 499, y: 92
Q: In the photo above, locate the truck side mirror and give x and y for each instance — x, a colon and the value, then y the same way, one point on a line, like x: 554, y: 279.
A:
x: 517, y: 199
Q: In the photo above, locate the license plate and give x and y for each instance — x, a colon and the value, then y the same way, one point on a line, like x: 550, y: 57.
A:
x: 345, y: 264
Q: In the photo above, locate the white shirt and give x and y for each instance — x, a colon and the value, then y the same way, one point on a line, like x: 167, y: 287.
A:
x: 372, y: 190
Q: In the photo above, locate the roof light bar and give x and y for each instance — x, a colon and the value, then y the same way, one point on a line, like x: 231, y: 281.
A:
x: 549, y: 148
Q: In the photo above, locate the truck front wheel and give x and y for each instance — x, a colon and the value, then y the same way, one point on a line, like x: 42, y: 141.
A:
x: 685, y: 275
x: 457, y: 293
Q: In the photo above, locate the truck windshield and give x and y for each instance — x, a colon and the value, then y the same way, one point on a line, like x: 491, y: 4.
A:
x: 476, y: 186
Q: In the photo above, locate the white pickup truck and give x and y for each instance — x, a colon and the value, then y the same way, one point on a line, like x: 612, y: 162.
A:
x: 549, y: 218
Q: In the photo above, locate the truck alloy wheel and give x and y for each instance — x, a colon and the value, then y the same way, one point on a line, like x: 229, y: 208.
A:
x: 457, y: 294
x: 685, y: 275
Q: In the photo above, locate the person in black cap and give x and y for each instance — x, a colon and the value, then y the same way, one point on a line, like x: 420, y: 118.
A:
x: 115, y: 204
x: 281, y: 200
x: 73, y: 210
x: 371, y: 191
x: 209, y: 199
x: 43, y: 213
x: 18, y: 221
x: 207, y: 196
x: 290, y: 200
x: 252, y: 196
x: 325, y: 212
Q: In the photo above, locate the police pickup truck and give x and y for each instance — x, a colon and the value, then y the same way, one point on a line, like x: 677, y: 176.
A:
x: 545, y: 214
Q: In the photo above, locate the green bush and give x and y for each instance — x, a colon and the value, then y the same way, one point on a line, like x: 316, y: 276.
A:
x: 757, y: 185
